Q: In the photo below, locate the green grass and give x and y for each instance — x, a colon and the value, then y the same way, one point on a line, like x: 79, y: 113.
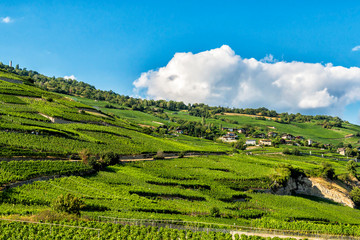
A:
x: 186, y: 189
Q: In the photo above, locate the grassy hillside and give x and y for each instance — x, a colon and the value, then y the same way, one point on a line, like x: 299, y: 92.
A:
x: 188, y: 189
x: 227, y: 189
x: 51, y: 124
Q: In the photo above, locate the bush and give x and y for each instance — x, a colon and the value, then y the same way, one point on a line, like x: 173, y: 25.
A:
x: 159, y: 155
x: 69, y: 204
x: 109, y: 158
x: 296, y: 152
x: 355, y: 195
x: 215, y: 212
x: 181, y: 154
x: 286, y: 151
x: 84, y: 155
x: 351, y: 167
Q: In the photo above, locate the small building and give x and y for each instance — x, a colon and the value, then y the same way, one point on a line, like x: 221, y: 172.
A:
x: 259, y: 135
x: 272, y: 134
x: 229, y: 129
x: 288, y: 142
x: 179, y: 131
x: 242, y: 130
x: 299, y: 137
x: 287, y: 137
x: 265, y: 142
x: 341, y: 151
x: 250, y: 142
x: 310, y: 142
x: 229, y: 137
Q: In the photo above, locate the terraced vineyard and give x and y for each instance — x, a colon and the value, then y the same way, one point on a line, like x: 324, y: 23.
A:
x: 73, y: 138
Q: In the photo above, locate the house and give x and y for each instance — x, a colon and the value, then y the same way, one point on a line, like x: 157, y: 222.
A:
x: 259, y: 135
x: 265, y: 142
x: 272, y: 134
x: 229, y: 137
x: 299, y: 137
x: 179, y: 131
x: 349, y: 136
x: 242, y: 130
x: 287, y: 137
x: 271, y: 127
x: 341, y: 151
x: 310, y: 142
x: 288, y: 142
x: 250, y: 142
x: 229, y: 129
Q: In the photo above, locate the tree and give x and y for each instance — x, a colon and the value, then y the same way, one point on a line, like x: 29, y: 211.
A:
x: 215, y: 212
x: 355, y: 195
x: 327, y: 171
x: 351, y: 167
x: 69, y: 204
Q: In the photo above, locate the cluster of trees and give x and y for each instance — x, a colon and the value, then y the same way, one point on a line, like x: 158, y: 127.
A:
x: 77, y: 88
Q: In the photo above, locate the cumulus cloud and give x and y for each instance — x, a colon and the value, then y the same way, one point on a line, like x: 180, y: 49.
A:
x: 220, y: 77
x: 72, y: 77
x: 6, y: 20
x: 356, y: 48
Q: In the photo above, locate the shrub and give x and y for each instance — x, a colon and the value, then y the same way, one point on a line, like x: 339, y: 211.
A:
x: 215, y: 212
x: 159, y: 155
x: 351, y: 167
x: 109, y: 158
x: 296, y: 152
x: 84, y: 155
x: 181, y: 154
x: 69, y: 204
x: 286, y: 151
x: 355, y: 195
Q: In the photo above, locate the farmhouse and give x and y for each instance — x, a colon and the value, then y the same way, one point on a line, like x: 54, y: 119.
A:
x: 229, y: 137
x: 229, y: 129
x: 272, y: 134
x: 265, y: 142
x: 341, y: 151
x: 310, y: 142
x: 287, y: 137
x: 259, y: 135
x: 242, y: 130
x: 250, y: 142
x: 179, y: 131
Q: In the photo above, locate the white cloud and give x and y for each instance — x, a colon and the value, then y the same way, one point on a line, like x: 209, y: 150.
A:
x: 6, y: 20
x: 220, y: 77
x: 269, y: 58
x: 72, y: 77
x: 356, y: 48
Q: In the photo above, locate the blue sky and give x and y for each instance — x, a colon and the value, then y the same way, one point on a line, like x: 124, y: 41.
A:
x: 110, y: 44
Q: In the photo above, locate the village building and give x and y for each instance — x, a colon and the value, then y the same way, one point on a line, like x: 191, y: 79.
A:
x: 272, y: 134
x: 259, y: 135
x: 242, y: 130
x: 310, y: 142
x: 341, y: 151
x: 250, y: 142
x: 179, y: 131
x: 229, y: 137
x: 265, y: 142
x: 287, y: 137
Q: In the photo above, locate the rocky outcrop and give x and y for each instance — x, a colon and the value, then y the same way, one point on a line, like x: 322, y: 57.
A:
x: 317, y: 187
